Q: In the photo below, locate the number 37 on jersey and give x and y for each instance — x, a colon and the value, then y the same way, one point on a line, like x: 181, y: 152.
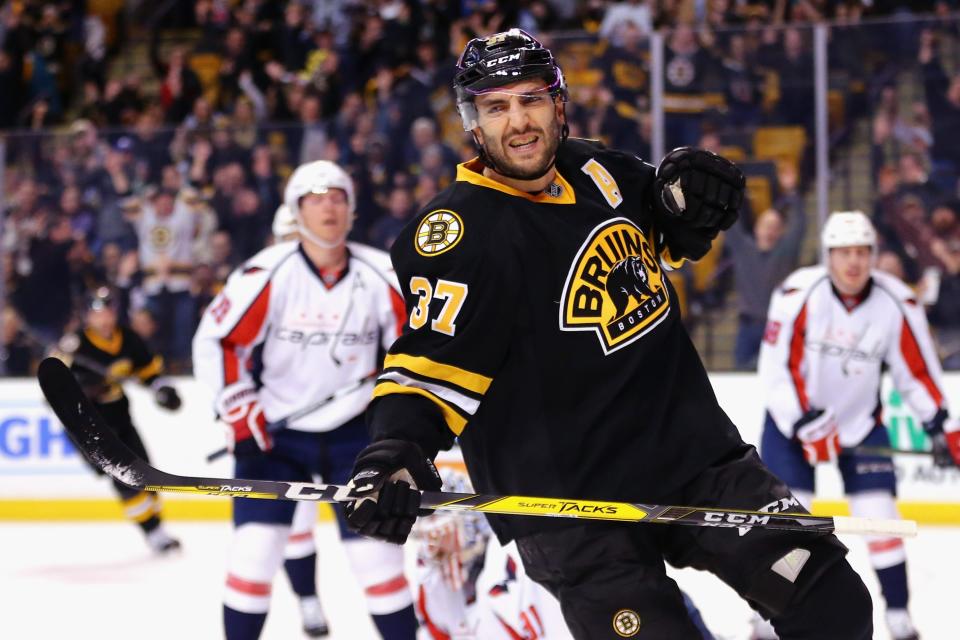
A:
x: 451, y: 295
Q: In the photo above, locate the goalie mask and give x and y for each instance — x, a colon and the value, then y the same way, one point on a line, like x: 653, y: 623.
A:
x: 318, y: 176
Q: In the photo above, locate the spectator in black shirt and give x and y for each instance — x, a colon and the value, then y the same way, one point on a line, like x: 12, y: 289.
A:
x: 943, y: 100
x: 387, y: 228
x: 43, y: 295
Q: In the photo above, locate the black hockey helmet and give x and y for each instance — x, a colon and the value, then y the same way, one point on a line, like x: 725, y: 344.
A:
x: 501, y: 59
x: 99, y: 299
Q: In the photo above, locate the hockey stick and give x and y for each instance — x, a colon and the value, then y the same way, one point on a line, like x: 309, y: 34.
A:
x: 867, y: 450
x: 282, y: 423
x: 104, y: 449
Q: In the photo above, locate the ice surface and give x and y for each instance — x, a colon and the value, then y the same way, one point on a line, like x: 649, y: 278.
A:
x: 93, y: 580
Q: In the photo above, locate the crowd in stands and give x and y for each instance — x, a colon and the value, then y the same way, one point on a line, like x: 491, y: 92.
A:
x: 159, y: 178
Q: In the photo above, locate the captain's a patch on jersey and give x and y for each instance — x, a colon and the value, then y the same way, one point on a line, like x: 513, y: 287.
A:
x: 438, y: 232
x: 615, y: 286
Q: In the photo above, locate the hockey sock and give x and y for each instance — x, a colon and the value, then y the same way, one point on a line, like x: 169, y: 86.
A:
x: 238, y: 625
x: 150, y: 524
x: 303, y: 574
x: 143, y: 508
x: 399, y: 625
x: 893, y: 584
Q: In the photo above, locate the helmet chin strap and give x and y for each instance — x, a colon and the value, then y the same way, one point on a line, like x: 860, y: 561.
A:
x: 305, y: 233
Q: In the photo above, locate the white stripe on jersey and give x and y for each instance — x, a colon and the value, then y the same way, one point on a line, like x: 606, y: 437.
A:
x: 466, y: 403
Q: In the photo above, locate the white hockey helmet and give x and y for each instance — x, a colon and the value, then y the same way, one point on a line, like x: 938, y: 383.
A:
x: 318, y: 176
x: 848, y: 229
x: 284, y: 223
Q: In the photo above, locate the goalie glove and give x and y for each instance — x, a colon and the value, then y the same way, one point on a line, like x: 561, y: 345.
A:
x: 817, y: 433
x: 385, y: 481
x: 697, y: 195
x: 945, y: 436
x: 239, y: 407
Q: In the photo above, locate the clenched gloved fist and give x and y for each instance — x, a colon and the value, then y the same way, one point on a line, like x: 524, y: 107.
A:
x: 700, y: 188
x: 386, y: 481
x: 946, y: 442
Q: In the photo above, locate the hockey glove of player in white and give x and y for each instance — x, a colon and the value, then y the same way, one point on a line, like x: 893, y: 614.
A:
x: 817, y: 433
x: 385, y: 480
x: 165, y: 395
x: 239, y: 407
x: 945, y: 436
x: 697, y: 194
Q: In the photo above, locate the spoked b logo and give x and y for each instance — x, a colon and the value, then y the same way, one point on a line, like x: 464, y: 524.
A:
x: 626, y: 623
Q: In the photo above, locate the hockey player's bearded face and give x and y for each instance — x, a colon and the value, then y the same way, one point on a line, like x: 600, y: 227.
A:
x: 326, y: 215
x: 850, y: 268
x: 519, y: 128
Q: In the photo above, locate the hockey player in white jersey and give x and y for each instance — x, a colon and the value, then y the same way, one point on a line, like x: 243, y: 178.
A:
x: 831, y: 332
x: 469, y: 587
x: 295, y: 324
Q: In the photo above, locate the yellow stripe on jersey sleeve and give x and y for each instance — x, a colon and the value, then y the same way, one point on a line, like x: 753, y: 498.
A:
x: 455, y: 422
x: 438, y: 371
x: 152, y: 368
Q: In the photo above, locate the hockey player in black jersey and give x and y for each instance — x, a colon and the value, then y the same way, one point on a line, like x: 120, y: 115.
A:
x: 101, y: 355
x: 544, y: 333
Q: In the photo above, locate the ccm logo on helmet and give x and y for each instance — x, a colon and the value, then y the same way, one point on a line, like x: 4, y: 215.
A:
x: 502, y: 59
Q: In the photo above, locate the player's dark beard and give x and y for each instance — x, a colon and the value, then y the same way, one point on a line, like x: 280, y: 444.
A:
x: 498, y: 161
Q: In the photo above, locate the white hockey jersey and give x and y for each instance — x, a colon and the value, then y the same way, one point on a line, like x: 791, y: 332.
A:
x: 821, y: 352
x: 298, y: 339
x: 481, y: 592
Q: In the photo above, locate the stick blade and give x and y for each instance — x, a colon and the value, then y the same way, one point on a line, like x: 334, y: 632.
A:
x: 85, y: 426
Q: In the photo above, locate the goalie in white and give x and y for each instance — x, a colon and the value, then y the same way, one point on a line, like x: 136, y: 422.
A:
x: 470, y: 587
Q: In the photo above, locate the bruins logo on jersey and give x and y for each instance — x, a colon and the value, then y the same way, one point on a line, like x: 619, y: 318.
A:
x: 160, y: 237
x: 439, y: 231
x: 615, y: 286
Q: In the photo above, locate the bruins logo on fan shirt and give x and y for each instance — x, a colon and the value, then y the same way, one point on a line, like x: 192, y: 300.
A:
x: 615, y: 286
x: 439, y: 231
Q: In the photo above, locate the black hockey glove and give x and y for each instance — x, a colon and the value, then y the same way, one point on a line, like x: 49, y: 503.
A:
x: 385, y: 480
x: 696, y: 195
x: 167, y: 397
x: 946, y: 445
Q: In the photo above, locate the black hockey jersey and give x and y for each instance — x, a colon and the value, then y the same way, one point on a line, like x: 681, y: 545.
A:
x: 544, y: 333
x: 100, y: 365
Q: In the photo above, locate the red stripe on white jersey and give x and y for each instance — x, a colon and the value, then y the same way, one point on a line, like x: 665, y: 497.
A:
x: 889, y: 544
x: 796, y: 358
x: 510, y: 632
x: 399, y: 309
x: 917, y: 365
x: 243, y: 334
x: 248, y: 587
x: 387, y: 587
x: 435, y: 632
